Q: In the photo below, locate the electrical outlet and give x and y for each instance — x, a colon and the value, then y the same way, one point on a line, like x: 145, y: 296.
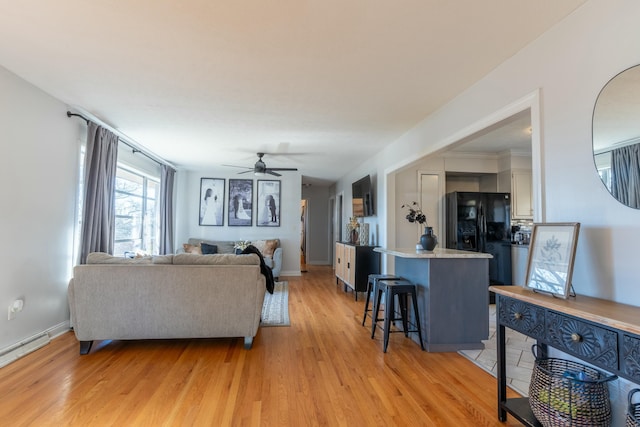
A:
x: 15, y: 307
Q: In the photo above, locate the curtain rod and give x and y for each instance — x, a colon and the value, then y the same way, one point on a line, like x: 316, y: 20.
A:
x: 122, y: 138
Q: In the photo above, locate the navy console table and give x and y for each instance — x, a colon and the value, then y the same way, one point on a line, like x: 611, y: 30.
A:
x: 603, y: 333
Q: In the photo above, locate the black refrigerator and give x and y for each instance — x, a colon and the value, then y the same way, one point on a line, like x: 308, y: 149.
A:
x: 481, y: 222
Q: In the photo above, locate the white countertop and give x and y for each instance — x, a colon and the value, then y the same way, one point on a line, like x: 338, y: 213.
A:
x: 436, y: 253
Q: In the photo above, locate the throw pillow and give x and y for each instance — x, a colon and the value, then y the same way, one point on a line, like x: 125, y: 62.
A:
x: 269, y: 247
x: 266, y: 247
x: 192, y: 249
x: 208, y: 249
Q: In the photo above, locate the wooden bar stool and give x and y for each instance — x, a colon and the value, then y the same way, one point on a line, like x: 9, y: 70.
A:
x: 371, y: 289
x: 402, y: 289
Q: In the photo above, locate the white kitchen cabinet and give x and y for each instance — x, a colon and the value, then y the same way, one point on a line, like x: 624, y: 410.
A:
x: 521, y: 194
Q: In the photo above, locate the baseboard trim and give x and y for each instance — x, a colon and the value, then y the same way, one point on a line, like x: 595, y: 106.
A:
x: 59, y: 329
x: 290, y: 273
x: 32, y: 343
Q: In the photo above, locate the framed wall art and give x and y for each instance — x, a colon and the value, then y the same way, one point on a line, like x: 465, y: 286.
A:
x: 268, y: 211
x: 240, y: 202
x: 212, y: 201
x: 552, y: 251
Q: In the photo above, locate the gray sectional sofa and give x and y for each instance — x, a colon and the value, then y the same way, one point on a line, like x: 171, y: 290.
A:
x: 163, y: 297
x: 270, y: 249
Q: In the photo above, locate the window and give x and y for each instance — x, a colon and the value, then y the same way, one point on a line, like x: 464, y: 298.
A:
x: 603, y: 164
x: 137, y: 222
x: 137, y: 226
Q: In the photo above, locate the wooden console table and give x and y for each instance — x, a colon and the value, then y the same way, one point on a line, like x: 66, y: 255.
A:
x: 603, y: 333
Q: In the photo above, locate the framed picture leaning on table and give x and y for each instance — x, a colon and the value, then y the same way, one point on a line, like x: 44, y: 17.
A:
x: 552, y: 251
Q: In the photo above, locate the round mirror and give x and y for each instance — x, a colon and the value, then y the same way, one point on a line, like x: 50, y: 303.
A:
x: 616, y: 136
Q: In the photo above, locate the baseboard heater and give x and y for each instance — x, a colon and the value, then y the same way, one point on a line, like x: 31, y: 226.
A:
x: 23, y: 348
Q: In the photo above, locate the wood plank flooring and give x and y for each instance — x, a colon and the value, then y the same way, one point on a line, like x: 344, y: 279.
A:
x: 323, y: 370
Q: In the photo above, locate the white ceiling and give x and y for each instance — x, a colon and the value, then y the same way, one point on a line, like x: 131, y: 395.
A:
x: 511, y: 134
x: 210, y: 82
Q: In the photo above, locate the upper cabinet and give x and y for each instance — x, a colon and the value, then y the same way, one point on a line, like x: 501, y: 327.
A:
x: 521, y: 194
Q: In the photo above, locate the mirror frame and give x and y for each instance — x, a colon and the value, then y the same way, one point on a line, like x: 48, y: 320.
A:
x: 605, y: 103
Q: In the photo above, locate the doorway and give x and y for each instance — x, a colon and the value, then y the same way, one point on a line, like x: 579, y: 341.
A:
x: 303, y: 235
x: 333, y: 238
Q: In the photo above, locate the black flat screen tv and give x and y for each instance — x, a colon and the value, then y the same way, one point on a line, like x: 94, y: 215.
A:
x: 362, y: 197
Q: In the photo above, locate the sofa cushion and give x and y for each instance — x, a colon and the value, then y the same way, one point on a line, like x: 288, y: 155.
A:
x: 224, y: 247
x: 162, y: 259
x: 192, y: 249
x: 266, y: 247
x: 208, y: 249
x: 105, y: 258
x: 216, y: 259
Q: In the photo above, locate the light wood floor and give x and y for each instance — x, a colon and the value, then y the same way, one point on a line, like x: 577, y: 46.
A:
x: 323, y: 370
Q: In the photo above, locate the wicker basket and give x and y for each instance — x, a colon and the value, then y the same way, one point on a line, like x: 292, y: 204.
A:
x: 566, y: 393
x: 633, y: 413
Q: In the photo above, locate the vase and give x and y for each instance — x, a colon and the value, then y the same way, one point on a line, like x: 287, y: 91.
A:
x: 363, y: 235
x: 354, y: 236
x: 428, y: 240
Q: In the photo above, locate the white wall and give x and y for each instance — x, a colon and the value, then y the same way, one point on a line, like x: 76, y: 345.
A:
x: 38, y: 181
x: 371, y: 168
x: 568, y: 65
x: 188, y: 205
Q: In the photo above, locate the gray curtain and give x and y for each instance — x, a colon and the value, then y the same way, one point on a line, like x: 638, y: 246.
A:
x: 98, y: 214
x: 166, y: 210
x: 625, y: 175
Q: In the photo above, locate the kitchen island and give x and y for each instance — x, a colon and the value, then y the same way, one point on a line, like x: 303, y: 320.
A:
x: 453, y: 297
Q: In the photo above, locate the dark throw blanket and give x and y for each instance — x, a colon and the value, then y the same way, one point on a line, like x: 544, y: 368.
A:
x: 264, y: 268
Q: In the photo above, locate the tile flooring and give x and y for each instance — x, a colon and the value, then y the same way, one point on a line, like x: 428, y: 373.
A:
x: 519, y: 357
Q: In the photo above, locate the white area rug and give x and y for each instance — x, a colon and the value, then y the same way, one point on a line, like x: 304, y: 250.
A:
x: 275, y: 311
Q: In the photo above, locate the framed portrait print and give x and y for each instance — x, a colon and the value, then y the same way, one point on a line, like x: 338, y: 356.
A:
x: 552, y: 250
x: 240, y: 202
x: 268, y: 211
x: 211, y: 201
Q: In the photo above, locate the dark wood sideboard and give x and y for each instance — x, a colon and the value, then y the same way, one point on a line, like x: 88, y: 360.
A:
x: 603, y: 333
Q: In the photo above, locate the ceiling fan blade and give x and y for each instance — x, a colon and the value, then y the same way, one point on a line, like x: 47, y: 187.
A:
x: 271, y: 172
x: 236, y: 166
x: 283, y: 169
x: 247, y: 171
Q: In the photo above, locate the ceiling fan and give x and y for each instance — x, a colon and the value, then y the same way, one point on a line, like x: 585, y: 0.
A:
x: 260, y: 168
